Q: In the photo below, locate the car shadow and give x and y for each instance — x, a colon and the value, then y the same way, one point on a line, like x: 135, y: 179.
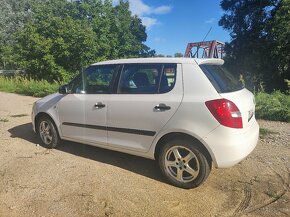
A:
x: 138, y: 165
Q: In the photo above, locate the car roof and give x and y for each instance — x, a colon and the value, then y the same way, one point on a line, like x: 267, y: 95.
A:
x: 210, y: 61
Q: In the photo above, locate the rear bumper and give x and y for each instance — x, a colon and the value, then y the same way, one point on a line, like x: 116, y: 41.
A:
x: 230, y: 146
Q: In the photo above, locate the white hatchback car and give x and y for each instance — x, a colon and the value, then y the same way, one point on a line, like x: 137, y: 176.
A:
x: 185, y: 113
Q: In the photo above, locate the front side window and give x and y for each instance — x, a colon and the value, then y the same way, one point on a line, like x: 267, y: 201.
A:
x: 147, y: 78
x: 94, y: 80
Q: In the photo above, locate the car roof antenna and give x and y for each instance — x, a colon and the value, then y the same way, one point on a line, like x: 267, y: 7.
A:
x: 203, y: 40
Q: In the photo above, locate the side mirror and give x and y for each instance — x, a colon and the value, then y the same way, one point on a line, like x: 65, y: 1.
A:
x: 63, y: 89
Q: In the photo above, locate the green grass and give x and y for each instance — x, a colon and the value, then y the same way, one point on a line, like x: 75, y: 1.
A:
x: 273, y: 195
x: 27, y: 87
x: 3, y: 120
x: 274, y: 106
x: 264, y: 132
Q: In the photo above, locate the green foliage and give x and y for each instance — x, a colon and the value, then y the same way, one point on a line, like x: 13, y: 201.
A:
x: 274, y: 106
x: 30, y: 87
x: 279, y: 29
x: 53, y: 40
x: 14, y: 14
x: 265, y: 132
x: 159, y: 55
x: 178, y: 55
x: 259, y: 49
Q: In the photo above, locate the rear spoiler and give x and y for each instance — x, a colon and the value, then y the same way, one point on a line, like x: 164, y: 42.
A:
x: 212, y: 61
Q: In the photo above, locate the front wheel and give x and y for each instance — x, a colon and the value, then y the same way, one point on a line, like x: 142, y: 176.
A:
x: 47, y: 132
x: 184, y: 164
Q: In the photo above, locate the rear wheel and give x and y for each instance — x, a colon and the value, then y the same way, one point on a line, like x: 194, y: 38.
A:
x: 184, y: 164
x: 47, y: 132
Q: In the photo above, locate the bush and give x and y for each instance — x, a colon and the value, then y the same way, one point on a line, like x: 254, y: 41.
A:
x: 28, y: 87
x: 274, y: 106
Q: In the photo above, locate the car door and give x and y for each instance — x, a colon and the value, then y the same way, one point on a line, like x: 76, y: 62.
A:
x: 83, y: 112
x: 148, y: 96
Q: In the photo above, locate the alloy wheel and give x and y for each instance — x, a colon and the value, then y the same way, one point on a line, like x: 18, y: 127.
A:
x: 182, y: 164
x: 45, y: 132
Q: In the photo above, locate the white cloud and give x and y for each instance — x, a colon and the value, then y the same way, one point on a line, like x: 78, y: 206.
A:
x: 162, y: 9
x: 159, y: 40
x: 210, y: 21
x: 138, y: 7
x: 149, y: 22
x: 142, y: 10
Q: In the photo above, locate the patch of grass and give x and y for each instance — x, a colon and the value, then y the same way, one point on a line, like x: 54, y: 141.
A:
x: 4, y: 120
x: 26, y: 86
x: 272, y: 195
x: 265, y: 132
x: 274, y: 106
x: 18, y: 116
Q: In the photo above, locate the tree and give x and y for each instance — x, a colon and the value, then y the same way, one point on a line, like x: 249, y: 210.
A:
x: 249, y: 52
x: 279, y: 35
x: 53, y: 45
x: 61, y: 37
x: 178, y: 55
x: 13, y: 15
x: 57, y: 51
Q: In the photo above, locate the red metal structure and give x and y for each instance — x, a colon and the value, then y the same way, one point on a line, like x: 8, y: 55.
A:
x: 207, y: 49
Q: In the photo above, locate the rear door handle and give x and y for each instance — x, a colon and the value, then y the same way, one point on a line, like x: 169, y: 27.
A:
x: 162, y: 107
x: 99, y: 105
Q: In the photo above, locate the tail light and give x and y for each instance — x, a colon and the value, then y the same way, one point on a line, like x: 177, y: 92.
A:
x: 225, y: 112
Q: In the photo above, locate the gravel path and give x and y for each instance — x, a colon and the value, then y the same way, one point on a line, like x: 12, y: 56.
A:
x: 80, y: 180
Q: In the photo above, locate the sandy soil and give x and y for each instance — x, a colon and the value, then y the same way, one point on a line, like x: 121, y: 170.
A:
x: 80, y: 180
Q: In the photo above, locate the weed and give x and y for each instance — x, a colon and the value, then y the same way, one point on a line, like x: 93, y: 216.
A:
x: 26, y: 86
x: 274, y: 106
x: 18, y: 116
x: 272, y: 194
x: 4, y: 120
x: 265, y: 132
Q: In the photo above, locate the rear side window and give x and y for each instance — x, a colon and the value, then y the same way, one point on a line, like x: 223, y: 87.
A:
x: 222, y: 80
x: 147, y: 78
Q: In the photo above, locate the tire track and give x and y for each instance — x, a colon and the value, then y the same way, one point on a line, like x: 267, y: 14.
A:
x: 279, y: 194
x: 246, y: 200
x: 244, y: 208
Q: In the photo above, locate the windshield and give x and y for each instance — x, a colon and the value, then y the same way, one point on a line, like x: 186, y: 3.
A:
x: 222, y: 80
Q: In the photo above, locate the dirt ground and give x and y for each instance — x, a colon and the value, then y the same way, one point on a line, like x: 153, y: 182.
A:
x: 81, y: 180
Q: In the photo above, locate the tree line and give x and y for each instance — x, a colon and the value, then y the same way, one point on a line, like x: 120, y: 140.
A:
x: 259, y: 49
x: 54, y: 39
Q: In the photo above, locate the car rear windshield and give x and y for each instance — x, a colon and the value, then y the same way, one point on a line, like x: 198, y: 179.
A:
x: 221, y: 79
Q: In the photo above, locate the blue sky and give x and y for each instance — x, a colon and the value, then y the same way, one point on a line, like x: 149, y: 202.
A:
x: 171, y: 24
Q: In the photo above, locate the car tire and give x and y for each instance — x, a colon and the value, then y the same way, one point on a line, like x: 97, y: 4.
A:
x: 184, y: 164
x: 47, y: 132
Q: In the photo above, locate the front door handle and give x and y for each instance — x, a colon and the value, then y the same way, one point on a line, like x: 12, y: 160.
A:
x: 162, y: 107
x: 99, y: 105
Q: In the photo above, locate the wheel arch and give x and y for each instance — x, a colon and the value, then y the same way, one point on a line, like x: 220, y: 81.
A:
x: 179, y: 135
x: 44, y: 114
